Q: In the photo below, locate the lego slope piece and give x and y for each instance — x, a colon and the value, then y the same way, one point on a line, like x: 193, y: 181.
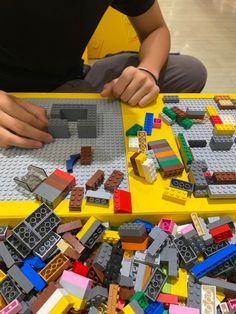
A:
x: 122, y: 202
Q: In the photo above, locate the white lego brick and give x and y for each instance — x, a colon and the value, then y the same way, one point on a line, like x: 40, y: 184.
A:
x: 133, y: 144
x: 208, y: 304
x: 228, y: 119
x: 52, y: 301
x: 149, y: 170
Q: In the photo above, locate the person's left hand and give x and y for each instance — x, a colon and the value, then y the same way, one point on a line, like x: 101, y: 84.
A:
x: 134, y: 87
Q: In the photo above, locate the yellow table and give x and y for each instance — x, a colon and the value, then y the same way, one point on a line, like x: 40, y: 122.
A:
x: 147, y: 199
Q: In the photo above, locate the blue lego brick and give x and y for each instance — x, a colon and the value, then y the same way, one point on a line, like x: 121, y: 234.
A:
x: 147, y: 225
x: 35, y: 262
x: 34, y: 277
x: 200, y: 269
x: 148, y: 123
x: 154, y: 308
x: 70, y: 162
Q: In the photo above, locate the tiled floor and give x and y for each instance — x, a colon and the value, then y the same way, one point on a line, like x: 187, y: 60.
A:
x: 207, y: 30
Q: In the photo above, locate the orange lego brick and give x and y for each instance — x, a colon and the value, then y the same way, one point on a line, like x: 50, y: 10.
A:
x: 135, y: 246
x: 112, y: 298
x: 165, y: 154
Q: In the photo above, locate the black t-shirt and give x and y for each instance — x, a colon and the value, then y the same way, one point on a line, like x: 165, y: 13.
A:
x: 41, y: 42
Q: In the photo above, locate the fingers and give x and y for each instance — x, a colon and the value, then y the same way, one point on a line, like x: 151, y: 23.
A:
x: 123, y: 81
x: 107, y: 89
x: 8, y: 139
x: 23, y: 129
x: 36, y: 111
x: 147, y: 99
x: 9, y: 106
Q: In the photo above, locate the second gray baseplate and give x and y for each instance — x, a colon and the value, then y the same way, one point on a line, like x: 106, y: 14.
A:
x: 108, y: 150
x: 216, y: 160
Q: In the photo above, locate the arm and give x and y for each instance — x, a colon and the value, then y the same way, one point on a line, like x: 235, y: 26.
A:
x: 135, y: 86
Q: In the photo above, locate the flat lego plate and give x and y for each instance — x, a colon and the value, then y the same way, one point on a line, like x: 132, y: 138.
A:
x: 146, y: 198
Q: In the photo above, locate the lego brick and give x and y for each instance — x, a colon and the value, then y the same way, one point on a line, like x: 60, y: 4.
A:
x: 186, y: 123
x: 98, y: 198
x: 139, y: 160
x: 225, y: 177
x: 224, y: 129
x: 54, y: 268
x: 142, y: 141
x: 180, y: 114
x: 167, y: 225
x: 125, y: 267
x: 208, y: 294
x: 71, y: 162
x: 32, y: 275
x: 10, y: 291
x: 178, y: 286
x: 47, y: 246
x: 157, y: 123
x: 69, y: 226
x: 133, y: 130
x: 112, y: 298
x: 76, y: 198
x: 178, y: 309
x: 169, y: 255
x: 220, y: 222
x: 185, y: 250
x: 133, y: 246
x: 170, y: 113
x: 58, y: 128
x: 221, y: 143
x: 197, y: 224
x: 96, y: 296
x: 232, y: 304
x: 22, y: 281
x: 155, y: 284
x: 200, y: 269
x: 175, y: 195
x: 167, y: 299
x: 222, y: 191
x: 66, y: 249
x: 90, y: 238
x: 102, y: 257
x: 221, y: 285
x: 182, y: 185
x: 151, y: 155
x: 212, y: 248
x: 221, y: 233
x: 86, y: 155
x: 134, y: 230
x: 114, y: 181
x: 170, y: 99
x: 194, y: 294
x: 12, y: 308
x: 6, y: 256
x: 148, y: 123
x: 3, y: 232
x: 136, y: 307
x: 143, y: 275
x: 155, y: 308
x: 122, y: 202
x: 110, y: 236
x: 133, y: 163
x: 95, y: 181
x: 133, y: 144
x: 197, y: 143
x: 166, y: 119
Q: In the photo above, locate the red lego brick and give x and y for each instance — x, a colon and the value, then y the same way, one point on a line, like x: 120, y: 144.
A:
x: 122, y: 202
x: 207, y: 174
x: 216, y: 120
x: 66, y: 176
x: 80, y: 268
x: 221, y: 233
x: 167, y: 299
x: 114, y: 181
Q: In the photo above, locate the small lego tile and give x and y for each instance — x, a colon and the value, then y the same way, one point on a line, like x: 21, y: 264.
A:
x: 197, y: 224
x: 142, y: 140
x: 175, y: 195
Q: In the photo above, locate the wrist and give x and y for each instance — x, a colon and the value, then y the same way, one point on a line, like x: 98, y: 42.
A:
x: 151, y: 73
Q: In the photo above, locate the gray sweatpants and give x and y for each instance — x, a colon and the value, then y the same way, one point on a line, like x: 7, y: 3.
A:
x: 180, y: 74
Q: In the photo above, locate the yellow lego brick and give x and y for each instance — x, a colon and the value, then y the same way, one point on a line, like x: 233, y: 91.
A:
x: 139, y: 160
x: 128, y: 310
x: 110, y: 236
x: 175, y: 195
x: 211, y: 111
x: 220, y: 296
x: 63, y: 306
x: 78, y: 304
x: 86, y: 227
x: 200, y: 259
x: 128, y: 253
x: 225, y: 129
x: 2, y: 275
x: 179, y: 285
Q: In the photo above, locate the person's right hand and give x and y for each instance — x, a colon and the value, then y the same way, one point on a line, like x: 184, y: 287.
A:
x: 22, y: 124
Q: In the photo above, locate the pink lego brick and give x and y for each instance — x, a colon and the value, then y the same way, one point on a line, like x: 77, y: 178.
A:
x: 157, y: 123
x: 76, y: 279
x: 232, y: 304
x: 120, y: 304
x: 187, y: 229
x: 177, y: 309
x: 166, y: 225
x: 12, y: 308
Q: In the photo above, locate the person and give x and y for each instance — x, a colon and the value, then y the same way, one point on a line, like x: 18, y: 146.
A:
x: 41, y: 47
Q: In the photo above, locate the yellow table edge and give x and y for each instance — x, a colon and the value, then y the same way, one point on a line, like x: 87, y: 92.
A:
x: 14, y: 211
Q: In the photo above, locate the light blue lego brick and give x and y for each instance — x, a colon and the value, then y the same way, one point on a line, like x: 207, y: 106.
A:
x: 148, y: 123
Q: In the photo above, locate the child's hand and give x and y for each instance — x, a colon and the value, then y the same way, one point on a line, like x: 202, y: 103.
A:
x: 22, y: 124
x: 134, y: 87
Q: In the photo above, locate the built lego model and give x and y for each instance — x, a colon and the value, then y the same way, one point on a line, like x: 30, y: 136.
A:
x: 52, y: 267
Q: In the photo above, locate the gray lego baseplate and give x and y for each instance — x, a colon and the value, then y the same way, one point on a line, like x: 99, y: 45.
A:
x: 216, y: 160
x: 108, y: 149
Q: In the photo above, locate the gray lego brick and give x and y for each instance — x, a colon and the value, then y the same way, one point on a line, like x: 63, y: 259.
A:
x: 22, y: 281
x: 194, y: 295
x: 108, y: 150
x: 216, y: 160
x: 102, y: 256
x: 222, y: 191
x: 221, y: 285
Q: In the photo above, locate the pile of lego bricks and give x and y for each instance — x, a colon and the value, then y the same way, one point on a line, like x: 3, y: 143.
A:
x: 136, y: 268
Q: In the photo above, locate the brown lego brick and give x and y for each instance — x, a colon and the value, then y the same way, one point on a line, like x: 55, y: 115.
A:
x: 112, y: 298
x: 172, y: 170
x: 217, y: 98
x: 126, y: 293
x: 96, y: 180
x: 147, y: 275
x: 69, y: 226
x: 76, y: 198
x: 69, y: 238
x: 2, y: 302
x: 43, y: 297
x: 86, y: 155
x: 133, y: 163
x: 179, y: 113
x: 192, y: 116
x: 224, y: 177
x: 156, y: 146
x: 53, y: 270
x: 56, y: 182
x: 133, y: 239
x: 96, y: 275
x: 114, y: 181
x: 67, y: 249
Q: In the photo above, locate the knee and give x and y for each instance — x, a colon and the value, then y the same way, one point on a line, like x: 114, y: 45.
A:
x: 196, y: 74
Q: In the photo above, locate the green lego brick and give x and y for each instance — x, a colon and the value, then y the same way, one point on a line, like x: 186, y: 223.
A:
x: 141, y: 298
x: 169, y: 163
x: 171, y: 114
x: 185, y: 123
x: 133, y: 130
x: 115, y: 228
x: 167, y: 286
